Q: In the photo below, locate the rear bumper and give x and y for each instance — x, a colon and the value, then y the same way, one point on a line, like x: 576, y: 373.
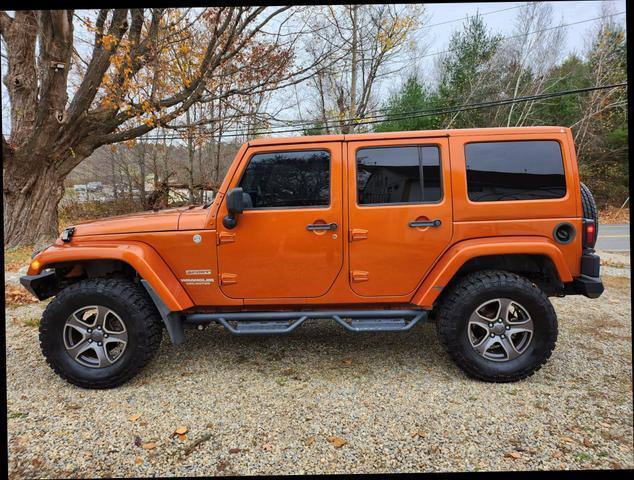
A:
x: 591, y: 287
x: 589, y: 283
x: 41, y: 286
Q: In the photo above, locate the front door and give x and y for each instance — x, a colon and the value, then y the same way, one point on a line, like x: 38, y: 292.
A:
x: 400, y: 212
x: 288, y: 243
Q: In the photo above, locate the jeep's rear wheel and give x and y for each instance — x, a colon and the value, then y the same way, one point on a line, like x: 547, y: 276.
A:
x: 99, y: 333
x: 497, y: 326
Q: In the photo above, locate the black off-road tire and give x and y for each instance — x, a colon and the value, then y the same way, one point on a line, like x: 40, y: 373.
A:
x: 589, y: 207
x: 126, y: 299
x: 475, y: 289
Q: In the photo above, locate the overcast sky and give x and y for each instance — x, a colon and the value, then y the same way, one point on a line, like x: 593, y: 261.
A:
x: 451, y: 15
x: 502, y: 22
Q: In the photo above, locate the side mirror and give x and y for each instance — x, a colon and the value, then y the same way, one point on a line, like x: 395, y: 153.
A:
x: 235, y: 205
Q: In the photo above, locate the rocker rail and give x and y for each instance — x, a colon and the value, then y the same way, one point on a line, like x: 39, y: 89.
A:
x: 254, y: 323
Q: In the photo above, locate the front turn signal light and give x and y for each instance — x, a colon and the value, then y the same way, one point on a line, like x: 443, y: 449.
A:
x: 35, y: 265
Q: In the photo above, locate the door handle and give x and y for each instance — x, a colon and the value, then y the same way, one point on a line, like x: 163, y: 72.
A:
x: 321, y: 226
x: 426, y: 223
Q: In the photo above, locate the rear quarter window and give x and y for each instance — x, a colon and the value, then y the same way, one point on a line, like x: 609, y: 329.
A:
x: 514, y: 170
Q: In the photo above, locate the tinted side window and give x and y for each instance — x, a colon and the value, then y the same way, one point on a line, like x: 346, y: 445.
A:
x: 522, y: 170
x: 398, y: 175
x: 288, y: 179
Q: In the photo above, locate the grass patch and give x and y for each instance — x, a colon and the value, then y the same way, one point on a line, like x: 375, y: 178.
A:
x: 31, y: 322
x: 16, y: 258
x: 15, y: 296
x: 582, y: 457
x: 12, y: 415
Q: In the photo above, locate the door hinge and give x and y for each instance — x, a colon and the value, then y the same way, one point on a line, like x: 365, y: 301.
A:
x: 358, y: 234
x: 359, y: 276
x: 228, y: 278
x: 226, y: 237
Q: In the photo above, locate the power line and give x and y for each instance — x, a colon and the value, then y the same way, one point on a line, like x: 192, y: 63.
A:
x: 428, y: 113
x: 416, y: 113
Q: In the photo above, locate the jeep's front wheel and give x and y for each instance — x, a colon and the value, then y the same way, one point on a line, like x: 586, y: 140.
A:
x: 497, y: 326
x: 99, y: 333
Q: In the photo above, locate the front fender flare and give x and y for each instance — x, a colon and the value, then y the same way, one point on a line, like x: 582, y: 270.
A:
x: 140, y: 256
x: 456, y: 256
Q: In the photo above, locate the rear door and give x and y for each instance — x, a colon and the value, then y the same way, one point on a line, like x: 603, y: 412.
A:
x: 288, y: 244
x: 400, y: 212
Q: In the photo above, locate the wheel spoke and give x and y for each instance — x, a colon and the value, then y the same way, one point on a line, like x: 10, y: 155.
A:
x: 77, y: 324
x: 479, y: 320
x: 118, y: 337
x: 522, y: 328
x: 484, y: 346
x: 79, y: 348
x: 509, y: 348
x: 505, y: 309
x: 101, y: 315
x: 102, y: 356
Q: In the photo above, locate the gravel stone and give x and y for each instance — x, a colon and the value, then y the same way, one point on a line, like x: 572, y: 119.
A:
x: 397, y: 400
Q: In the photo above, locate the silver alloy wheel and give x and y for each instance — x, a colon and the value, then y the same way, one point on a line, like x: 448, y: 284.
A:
x: 95, y: 336
x: 500, y: 329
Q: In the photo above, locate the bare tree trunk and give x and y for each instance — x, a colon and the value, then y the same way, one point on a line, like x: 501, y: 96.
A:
x: 31, y: 196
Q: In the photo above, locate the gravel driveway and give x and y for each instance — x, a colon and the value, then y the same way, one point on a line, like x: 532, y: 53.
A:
x: 282, y: 405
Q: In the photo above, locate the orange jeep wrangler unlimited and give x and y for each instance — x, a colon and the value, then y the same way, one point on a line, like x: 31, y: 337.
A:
x: 473, y: 229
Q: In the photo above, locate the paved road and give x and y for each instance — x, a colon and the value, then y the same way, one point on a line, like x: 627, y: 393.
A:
x: 614, y: 237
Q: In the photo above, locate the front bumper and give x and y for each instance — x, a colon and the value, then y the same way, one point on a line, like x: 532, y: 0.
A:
x: 42, y: 286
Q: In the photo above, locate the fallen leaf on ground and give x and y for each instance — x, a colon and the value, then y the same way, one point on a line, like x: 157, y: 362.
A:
x: 135, y: 417
x: 514, y: 455
x: 587, y: 443
x: 336, y: 442
x: 418, y: 434
x: 180, y: 431
x: 14, y: 296
x: 182, y: 437
x: 268, y: 447
x: 309, y: 441
x: 138, y: 460
x: 149, y: 446
x: 558, y: 454
x: 73, y: 406
x: 568, y: 440
x: 234, y: 450
x: 347, y: 361
x: 36, y: 462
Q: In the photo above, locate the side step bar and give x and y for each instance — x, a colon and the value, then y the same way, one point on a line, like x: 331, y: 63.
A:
x: 255, y: 323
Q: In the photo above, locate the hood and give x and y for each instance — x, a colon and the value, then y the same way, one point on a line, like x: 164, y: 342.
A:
x: 159, y: 221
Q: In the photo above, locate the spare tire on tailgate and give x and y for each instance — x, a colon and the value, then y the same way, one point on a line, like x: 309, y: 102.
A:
x: 589, y: 207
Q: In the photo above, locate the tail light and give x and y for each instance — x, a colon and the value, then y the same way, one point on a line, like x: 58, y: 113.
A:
x: 589, y: 233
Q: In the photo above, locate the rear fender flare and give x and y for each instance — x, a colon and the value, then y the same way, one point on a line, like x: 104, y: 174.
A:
x: 456, y: 256
x: 140, y: 256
